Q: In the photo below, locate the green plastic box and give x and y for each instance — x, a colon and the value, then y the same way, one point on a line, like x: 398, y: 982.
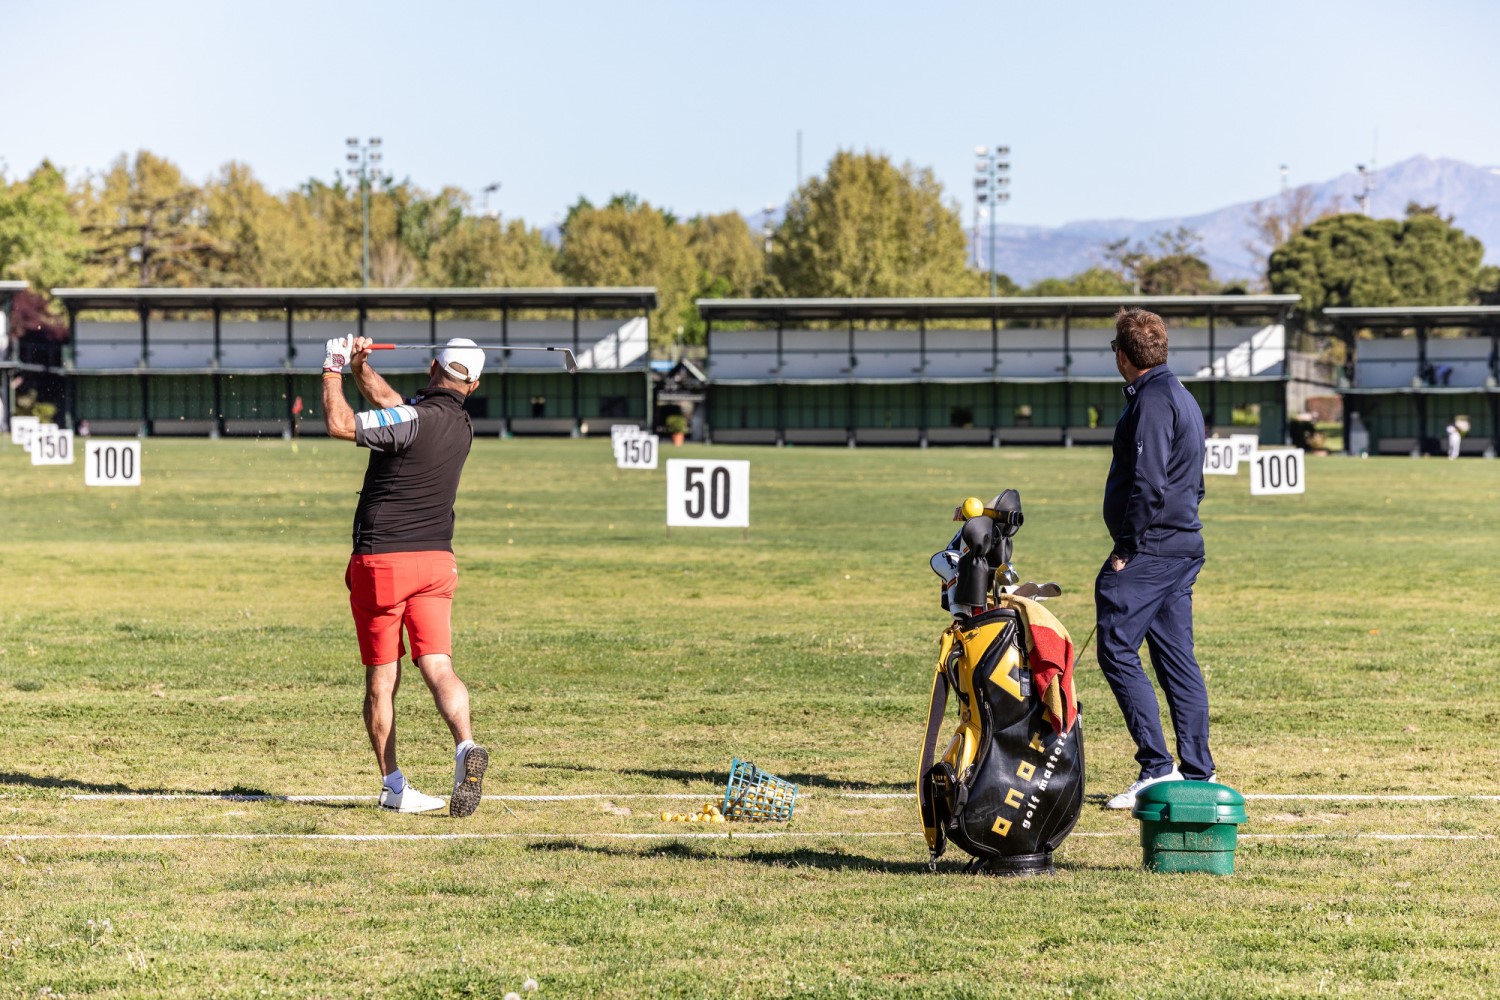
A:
x: 1189, y: 826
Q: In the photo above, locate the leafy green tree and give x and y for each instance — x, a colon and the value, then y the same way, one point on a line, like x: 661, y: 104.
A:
x: 250, y: 224
x: 39, y: 237
x: 1094, y: 281
x: 730, y: 262
x: 480, y: 253
x: 868, y: 228
x: 629, y: 242
x: 1170, y: 263
x: 1487, y: 288
x: 1435, y: 263
x: 1343, y: 260
x: 314, y: 243
x: 724, y: 247
x: 1178, y: 274
x: 144, y: 225
x: 1352, y: 260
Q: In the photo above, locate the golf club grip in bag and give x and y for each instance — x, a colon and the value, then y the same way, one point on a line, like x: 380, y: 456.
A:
x: 1009, y: 787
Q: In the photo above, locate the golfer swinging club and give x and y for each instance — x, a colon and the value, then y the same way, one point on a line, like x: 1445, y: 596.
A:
x: 402, y: 572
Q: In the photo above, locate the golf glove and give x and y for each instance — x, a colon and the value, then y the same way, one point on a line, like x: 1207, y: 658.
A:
x: 339, y: 351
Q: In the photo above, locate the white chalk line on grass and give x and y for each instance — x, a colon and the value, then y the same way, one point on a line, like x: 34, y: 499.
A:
x: 727, y: 836
x: 685, y: 796
x: 1257, y: 797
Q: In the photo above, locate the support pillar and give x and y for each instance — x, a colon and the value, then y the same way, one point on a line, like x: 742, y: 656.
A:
x: 217, y: 429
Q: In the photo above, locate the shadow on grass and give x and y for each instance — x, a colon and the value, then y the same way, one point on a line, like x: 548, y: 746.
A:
x: 799, y: 857
x: 18, y: 779
x: 720, y: 777
x: 790, y: 859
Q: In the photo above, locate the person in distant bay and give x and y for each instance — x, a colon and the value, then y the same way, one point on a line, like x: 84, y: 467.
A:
x: 402, y: 573
x: 1144, y: 591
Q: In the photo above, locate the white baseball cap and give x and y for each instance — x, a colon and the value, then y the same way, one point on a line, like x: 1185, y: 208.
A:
x: 461, y: 359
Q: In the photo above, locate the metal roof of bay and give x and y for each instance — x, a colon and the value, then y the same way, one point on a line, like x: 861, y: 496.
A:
x: 1019, y: 307
x: 355, y: 298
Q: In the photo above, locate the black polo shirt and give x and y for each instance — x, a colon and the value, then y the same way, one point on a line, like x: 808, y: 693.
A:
x: 1156, y: 479
x: 417, y: 452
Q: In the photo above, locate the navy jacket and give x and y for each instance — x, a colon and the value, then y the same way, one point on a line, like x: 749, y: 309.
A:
x: 1156, y: 479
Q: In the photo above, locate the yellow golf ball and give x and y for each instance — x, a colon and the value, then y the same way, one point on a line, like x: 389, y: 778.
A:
x: 973, y: 507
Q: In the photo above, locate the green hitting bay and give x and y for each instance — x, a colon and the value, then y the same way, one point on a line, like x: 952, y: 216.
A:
x: 191, y: 637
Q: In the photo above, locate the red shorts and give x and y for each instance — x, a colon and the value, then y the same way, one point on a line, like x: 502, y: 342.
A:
x: 395, y: 589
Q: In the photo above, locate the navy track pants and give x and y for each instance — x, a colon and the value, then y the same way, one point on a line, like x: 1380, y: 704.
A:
x: 1151, y: 599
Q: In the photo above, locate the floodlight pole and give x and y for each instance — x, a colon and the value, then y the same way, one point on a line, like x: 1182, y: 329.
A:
x: 364, y: 156
x: 1367, y: 184
x: 991, y: 188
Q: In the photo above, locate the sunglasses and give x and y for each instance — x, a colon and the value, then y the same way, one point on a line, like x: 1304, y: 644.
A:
x: 1114, y: 345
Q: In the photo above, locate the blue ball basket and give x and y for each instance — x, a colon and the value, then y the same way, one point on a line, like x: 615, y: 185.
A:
x: 753, y: 794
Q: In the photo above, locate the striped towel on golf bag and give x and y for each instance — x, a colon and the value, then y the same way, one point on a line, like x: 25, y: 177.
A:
x: 1050, y: 658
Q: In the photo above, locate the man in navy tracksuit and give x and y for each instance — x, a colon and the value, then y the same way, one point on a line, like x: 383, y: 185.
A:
x: 1145, y: 589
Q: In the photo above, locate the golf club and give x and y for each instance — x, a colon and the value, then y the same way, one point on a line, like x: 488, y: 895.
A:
x: 569, y: 362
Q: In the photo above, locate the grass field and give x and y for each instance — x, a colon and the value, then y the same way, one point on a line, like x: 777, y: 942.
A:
x: 192, y: 636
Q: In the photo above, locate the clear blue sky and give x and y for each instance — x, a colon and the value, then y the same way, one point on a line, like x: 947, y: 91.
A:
x: 1112, y: 109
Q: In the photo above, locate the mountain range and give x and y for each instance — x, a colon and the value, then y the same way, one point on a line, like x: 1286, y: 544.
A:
x: 1468, y: 193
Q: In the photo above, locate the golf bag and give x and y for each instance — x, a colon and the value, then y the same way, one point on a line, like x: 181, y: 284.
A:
x: 1009, y: 786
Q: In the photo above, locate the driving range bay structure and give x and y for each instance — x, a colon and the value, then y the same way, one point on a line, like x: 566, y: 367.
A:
x: 244, y: 361
x: 976, y: 371
x: 1411, y: 370
x: 8, y: 291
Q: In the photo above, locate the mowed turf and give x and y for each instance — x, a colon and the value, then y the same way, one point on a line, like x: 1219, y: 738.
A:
x: 192, y: 636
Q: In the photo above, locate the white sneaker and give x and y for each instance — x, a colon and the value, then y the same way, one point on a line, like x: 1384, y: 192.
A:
x: 1126, y: 799
x: 409, y: 800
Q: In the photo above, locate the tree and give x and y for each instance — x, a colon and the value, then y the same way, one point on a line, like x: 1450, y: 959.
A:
x: 144, y: 225
x: 1169, y: 264
x: 314, y: 242
x: 1094, y: 281
x: 727, y: 253
x: 250, y: 223
x: 1487, y: 288
x: 869, y: 229
x: 39, y: 237
x: 629, y: 242
x: 1353, y: 260
x: 730, y: 262
x: 1277, y: 220
x: 1178, y: 274
x: 1435, y: 263
x: 480, y: 253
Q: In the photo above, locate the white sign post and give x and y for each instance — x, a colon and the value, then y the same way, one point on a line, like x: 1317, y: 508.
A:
x: 1278, y: 471
x: 1245, y: 445
x: 1220, y: 457
x: 51, y: 445
x: 708, y: 494
x: 22, y: 430
x: 112, y: 463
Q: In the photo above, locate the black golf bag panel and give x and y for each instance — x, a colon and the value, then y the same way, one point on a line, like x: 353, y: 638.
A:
x: 1008, y: 787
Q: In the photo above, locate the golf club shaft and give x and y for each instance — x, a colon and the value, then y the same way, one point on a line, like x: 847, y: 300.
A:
x: 568, y: 360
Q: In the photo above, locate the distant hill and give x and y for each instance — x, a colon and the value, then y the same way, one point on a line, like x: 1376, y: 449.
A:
x: 1468, y: 193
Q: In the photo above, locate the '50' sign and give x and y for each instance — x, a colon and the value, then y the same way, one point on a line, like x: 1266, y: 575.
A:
x: 708, y: 494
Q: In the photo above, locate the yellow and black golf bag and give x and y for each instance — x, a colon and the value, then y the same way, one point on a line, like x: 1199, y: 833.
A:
x: 1009, y: 786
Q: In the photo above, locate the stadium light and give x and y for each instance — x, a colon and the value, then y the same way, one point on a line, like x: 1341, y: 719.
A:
x: 992, y: 178
x: 364, y: 156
